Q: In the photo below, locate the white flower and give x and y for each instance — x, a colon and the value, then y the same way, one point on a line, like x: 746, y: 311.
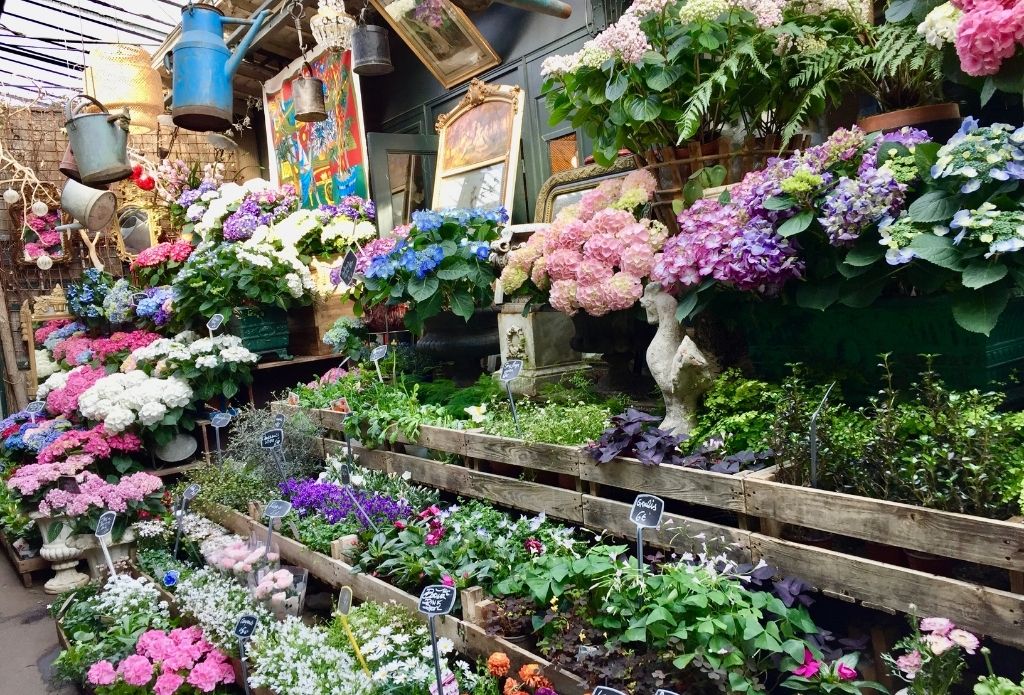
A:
x: 152, y: 413
x: 939, y: 27
x: 118, y: 419
x: 57, y: 380
x: 207, y: 362
x: 45, y: 366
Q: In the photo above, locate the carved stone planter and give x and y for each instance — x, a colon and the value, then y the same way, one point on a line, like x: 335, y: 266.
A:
x: 541, y: 339
x: 122, y: 551
x: 62, y: 556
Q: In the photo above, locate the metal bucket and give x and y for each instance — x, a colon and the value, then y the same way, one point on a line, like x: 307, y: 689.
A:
x: 99, y: 141
x: 308, y: 97
x: 371, y: 53
x: 94, y: 209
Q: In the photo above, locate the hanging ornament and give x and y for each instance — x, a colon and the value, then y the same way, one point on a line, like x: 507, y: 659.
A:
x: 331, y: 26
x: 44, y: 262
x: 11, y: 196
x: 136, y: 172
x: 307, y: 90
x: 39, y: 208
x: 145, y: 182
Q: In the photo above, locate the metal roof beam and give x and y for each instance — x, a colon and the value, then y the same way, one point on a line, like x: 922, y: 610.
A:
x: 71, y: 65
x: 95, y: 18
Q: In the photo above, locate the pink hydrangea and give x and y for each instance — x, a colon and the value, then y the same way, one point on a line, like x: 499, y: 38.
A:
x: 44, y: 331
x: 136, y: 670
x: 96, y: 494
x: 562, y: 264
x: 640, y: 179
x: 605, y: 248
x: 101, y: 673
x: 599, y: 198
x: 592, y: 299
x: 638, y: 260
x: 539, y: 274
x: 562, y: 296
x: 610, y: 221
x: 622, y: 291
x: 592, y: 270
x: 64, y: 401
x: 625, y: 39
x: 177, y: 251
x: 987, y: 35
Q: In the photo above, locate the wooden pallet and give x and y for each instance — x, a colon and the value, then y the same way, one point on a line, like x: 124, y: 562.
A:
x: 469, y: 638
x: 23, y: 567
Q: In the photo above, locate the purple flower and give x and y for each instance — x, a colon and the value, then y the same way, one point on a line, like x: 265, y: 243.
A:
x: 336, y: 504
x: 908, y: 137
x: 854, y: 205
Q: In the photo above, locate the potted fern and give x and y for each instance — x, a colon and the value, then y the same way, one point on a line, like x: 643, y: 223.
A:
x: 903, y: 73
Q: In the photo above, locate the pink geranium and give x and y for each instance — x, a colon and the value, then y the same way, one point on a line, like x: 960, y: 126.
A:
x: 101, y: 673
x: 136, y: 670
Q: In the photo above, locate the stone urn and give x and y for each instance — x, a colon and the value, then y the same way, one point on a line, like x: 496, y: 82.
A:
x: 62, y: 556
x: 120, y: 551
x: 463, y: 344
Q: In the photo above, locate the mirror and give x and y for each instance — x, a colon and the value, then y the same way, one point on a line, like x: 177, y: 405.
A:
x: 138, y: 228
x: 401, y: 175
x: 567, y: 187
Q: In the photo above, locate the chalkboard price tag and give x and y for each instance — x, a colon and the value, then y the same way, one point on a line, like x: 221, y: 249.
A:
x: 345, y: 600
x: 437, y: 599
x: 647, y: 511
x: 272, y: 439
x: 171, y: 578
x: 662, y: 691
x: 35, y: 407
x: 191, y: 492
x: 215, y: 322
x: 511, y: 369
x: 246, y: 626
x: 106, y: 524
x: 605, y: 690
x: 220, y: 420
x: 277, y: 509
x: 346, y: 474
x: 139, y: 297
x: 348, y: 268
x: 279, y: 420
x: 378, y: 353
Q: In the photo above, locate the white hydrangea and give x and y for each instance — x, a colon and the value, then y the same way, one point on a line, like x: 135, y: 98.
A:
x: 939, y: 27
x: 118, y: 399
x: 57, y: 380
x: 207, y: 362
x: 45, y: 366
x: 152, y: 413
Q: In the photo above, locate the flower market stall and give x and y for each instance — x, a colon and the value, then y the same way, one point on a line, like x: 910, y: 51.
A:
x: 684, y: 359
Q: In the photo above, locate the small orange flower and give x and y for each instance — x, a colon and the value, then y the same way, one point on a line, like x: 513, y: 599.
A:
x: 531, y: 676
x: 498, y: 664
x: 511, y: 687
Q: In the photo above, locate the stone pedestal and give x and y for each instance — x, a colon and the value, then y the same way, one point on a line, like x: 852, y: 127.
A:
x: 541, y: 340
x: 90, y: 548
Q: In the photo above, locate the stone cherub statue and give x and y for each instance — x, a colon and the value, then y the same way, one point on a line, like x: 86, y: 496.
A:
x: 680, y: 369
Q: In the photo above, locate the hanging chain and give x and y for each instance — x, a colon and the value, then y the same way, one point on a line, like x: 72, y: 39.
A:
x: 296, y: 10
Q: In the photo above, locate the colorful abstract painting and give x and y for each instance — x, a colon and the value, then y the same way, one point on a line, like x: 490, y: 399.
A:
x: 324, y: 161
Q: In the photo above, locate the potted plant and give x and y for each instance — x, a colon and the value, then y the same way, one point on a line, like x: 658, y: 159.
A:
x: 902, y: 72
x: 440, y: 267
x: 512, y: 618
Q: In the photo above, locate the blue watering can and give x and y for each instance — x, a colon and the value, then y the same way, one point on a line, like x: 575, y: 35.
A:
x: 204, y: 67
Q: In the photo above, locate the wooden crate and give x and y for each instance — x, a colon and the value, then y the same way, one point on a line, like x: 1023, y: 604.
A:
x: 307, y: 325
x: 469, y: 638
x: 23, y: 567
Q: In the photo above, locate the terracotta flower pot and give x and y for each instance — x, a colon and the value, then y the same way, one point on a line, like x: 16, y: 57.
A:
x: 939, y: 120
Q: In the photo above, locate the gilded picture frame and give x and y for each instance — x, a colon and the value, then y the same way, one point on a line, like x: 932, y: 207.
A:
x: 567, y: 187
x: 441, y: 36
x: 478, y: 148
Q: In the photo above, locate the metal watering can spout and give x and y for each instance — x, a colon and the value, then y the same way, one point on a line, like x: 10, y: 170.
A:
x: 256, y: 23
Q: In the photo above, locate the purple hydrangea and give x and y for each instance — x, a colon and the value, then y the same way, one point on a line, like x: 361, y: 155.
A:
x: 908, y: 137
x: 759, y: 259
x: 336, y: 504
x: 854, y: 205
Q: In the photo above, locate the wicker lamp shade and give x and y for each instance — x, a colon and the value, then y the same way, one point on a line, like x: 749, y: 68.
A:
x: 332, y: 27
x: 123, y: 75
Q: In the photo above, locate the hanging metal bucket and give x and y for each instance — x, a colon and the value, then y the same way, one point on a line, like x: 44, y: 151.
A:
x: 68, y: 166
x: 308, y: 97
x: 371, y: 53
x: 99, y: 141
x: 94, y: 209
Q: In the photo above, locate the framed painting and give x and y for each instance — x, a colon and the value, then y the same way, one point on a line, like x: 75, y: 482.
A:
x: 478, y: 150
x: 325, y: 161
x: 441, y: 36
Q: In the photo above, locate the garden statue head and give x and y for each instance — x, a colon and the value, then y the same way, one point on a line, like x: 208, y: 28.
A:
x: 659, y: 305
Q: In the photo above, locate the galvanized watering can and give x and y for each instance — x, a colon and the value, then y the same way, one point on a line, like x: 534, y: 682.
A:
x: 308, y: 97
x: 92, y: 209
x: 203, y: 67
x: 99, y: 141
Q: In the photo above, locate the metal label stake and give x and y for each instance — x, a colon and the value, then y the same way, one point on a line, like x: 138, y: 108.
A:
x: 215, y: 322
x: 346, y: 482
x: 34, y: 408
x: 376, y: 356
x: 436, y: 600
x: 273, y: 441
x: 219, y: 421
x: 275, y: 510
x: 605, y: 690
x: 104, y: 527
x: 509, y: 371
x: 646, y: 513
x: 813, y: 439
x: 187, y: 496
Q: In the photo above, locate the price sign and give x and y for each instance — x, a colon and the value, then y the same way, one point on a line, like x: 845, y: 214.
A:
x: 437, y: 599
x: 220, y: 420
x: 511, y: 369
x: 190, y: 493
x: 171, y: 578
x: 277, y: 509
x: 139, y: 297
x: 449, y: 685
x: 346, y: 474
x: 605, y: 690
x: 279, y: 420
x: 215, y: 322
x: 662, y: 691
x: 246, y: 626
x: 345, y: 600
x: 106, y: 524
x: 379, y: 353
x: 647, y: 511
x: 348, y: 268
x: 272, y: 439
x: 35, y: 407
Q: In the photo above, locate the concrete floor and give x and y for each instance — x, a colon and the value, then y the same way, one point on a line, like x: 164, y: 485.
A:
x: 28, y: 641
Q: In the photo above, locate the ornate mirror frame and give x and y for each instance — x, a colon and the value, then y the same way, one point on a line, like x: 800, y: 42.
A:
x: 47, y: 307
x: 576, y: 181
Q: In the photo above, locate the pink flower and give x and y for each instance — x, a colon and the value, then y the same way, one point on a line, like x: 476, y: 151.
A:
x: 447, y: 580
x: 101, y: 673
x: 592, y: 271
x: 845, y: 673
x: 986, y: 36
x: 964, y: 639
x: 562, y: 296
x: 810, y: 667
x: 592, y: 299
x: 136, y: 670
x: 534, y: 546
x: 599, y: 198
x: 206, y: 675
x: 604, y: 247
x: 539, y: 274
x: 910, y: 664
x: 642, y: 179
x: 940, y: 626
x: 167, y: 683
x: 563, y: 263
x: 625, y: 39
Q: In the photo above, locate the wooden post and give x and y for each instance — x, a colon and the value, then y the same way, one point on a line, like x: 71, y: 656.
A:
x: 14, y: 377
x: 472, y: 597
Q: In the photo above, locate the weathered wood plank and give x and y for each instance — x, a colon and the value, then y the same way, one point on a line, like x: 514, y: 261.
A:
x: 331, y: 420
x: 544, y: 457
x: 975, y: 539
x: 443, y: 439
x: 677, y: 533
x: 510, y: 492
x: 674, y: 482
x: 998, y: 614
x: 468, y: 638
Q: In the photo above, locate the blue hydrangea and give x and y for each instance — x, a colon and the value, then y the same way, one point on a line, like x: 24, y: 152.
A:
x: 427, y: 220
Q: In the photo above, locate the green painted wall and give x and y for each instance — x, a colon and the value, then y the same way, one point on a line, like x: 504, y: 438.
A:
x: 409, y: 100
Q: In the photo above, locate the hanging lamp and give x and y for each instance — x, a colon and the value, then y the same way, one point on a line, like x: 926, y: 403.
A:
x: 332, y: 27
x: 122, y: 75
